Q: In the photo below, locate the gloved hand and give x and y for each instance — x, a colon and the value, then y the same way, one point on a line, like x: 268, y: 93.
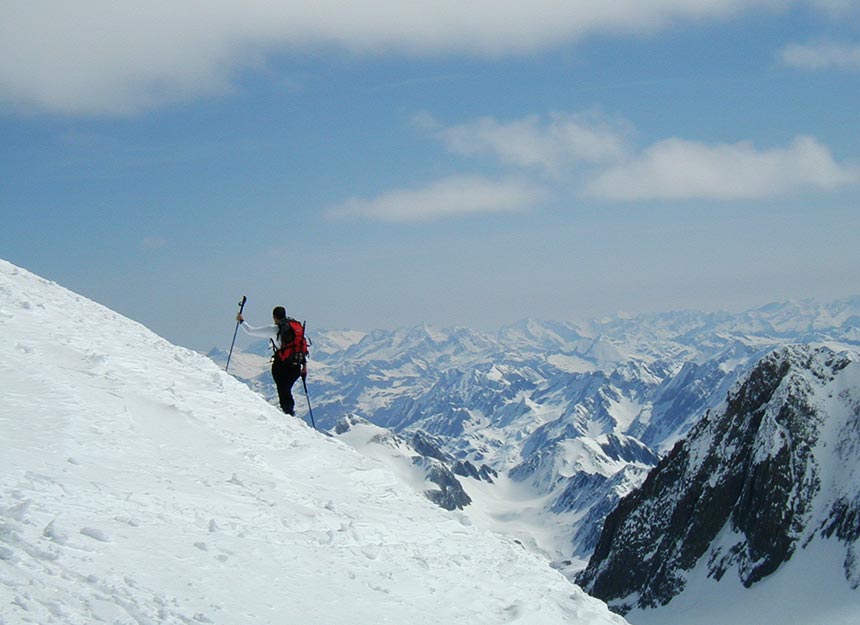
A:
x: 240, y: 318
x: 304, y: 372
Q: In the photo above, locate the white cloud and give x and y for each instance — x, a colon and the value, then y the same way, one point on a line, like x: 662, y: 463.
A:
x: 670, y: 169
x: 94, y: 57
x: 554, y: 146
x: 450, y: 197
x: 825, y: 55
x: 680, y: 169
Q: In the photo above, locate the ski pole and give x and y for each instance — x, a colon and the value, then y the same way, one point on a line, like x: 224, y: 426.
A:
x: 241, y: 308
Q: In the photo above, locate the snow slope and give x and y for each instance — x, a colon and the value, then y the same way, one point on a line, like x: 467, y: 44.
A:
x: 141, y: 484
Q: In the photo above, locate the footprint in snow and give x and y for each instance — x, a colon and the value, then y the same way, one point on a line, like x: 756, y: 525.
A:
x: 95, y: 534
x: 514, y: 611
x: 18, y: 512
x: 235, y: 480
x: 55, y: 534
x: 130, y: 521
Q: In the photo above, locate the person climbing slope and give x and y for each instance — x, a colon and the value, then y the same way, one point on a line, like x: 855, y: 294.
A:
x: 289, y: 362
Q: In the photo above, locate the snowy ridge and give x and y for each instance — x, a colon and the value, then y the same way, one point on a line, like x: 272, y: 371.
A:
x: 141, y: 484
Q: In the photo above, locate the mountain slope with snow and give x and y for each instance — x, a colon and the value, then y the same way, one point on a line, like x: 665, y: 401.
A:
x: 141, y: 484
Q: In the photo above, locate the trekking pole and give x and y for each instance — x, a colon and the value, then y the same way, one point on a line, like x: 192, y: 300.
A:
x: 241, y: 308
x: 304, y: 382
x: 308, y: 397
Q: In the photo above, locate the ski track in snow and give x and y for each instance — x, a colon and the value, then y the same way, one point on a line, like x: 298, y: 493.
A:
x: 140, y: 484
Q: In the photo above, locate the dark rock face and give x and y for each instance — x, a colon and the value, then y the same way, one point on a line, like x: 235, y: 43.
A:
x: 427, y: 446
x: 467, y: 469
x: 346, y: 423
x: 628, y: 449
x: 431, y: 447
x: 450, y: 495
x: 750, y: 467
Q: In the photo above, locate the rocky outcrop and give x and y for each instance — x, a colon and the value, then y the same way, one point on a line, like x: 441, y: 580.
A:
x: 449, y: 494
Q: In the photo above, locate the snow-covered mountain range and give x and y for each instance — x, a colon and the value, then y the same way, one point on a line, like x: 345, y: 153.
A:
x: 139, y: 483
x: 570, y: 415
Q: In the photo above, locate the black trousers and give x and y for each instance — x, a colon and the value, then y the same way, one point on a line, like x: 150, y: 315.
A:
x: 285, y: 375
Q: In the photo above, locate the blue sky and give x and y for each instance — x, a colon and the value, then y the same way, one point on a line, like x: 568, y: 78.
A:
x: 378, y: 164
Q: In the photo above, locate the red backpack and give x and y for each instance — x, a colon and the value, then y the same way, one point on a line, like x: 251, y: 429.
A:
x: 293, y: 349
